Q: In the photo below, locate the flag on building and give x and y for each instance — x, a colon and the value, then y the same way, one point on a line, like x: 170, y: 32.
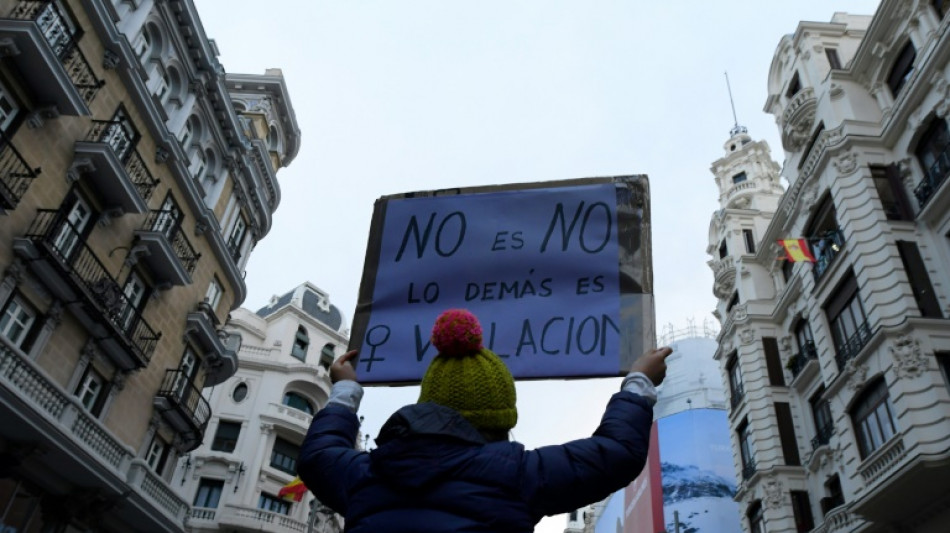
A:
x: 293, y: 491
x: 796, y: 250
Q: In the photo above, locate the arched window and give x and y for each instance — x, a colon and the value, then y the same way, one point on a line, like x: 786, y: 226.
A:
x: 873, y: 418
x: 292, y: 399
x: 327, y: 356
x: 301, y: 342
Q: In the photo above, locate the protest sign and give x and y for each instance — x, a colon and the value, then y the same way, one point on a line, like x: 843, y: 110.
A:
x: 558, y: 273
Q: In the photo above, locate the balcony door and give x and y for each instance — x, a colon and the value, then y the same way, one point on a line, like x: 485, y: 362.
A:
x: 168, y: 219
x: 134, y: 292
x: 120, y: 135
x: 8, y: 109
x: 73, y: 228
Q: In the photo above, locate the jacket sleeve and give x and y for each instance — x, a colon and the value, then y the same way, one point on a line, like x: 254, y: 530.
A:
x: 560, y: 479
x: 329, y: 459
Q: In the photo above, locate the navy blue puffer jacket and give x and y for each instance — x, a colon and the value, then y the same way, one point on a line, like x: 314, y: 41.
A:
x: 432, y: 472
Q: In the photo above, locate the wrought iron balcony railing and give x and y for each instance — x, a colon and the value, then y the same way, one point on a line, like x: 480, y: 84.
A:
x: 748, y: 469
x: 822, y: 436
x: 826, y: 249
x: 166, y: 223
x: 115, y: 134
x: 853, y: 344
x: 799, y: 361
x: 59, y: 30
x: 52, y: 231
x: 15, y: 174
x: 933, y: 177
x: 184, y: 406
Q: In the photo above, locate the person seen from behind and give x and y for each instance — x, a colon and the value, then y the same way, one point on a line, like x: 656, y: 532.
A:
x: 445, y: 464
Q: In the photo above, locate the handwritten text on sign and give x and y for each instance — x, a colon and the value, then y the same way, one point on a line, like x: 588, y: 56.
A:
x: 538, y: 267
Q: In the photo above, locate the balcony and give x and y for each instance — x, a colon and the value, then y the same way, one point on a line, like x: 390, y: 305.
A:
x: 748, y: 469
x: 826, y: 249
x: 933, y: 177
x: 183, y: 407
x: 40, y: 38
x: 246, y: 519
x: 852, y: 345
x: 161, y: 244
x: 287, y: 416
x: 822, y: 436
x: 15, y: 174
x: 220, y: 353
x: 738, y: 394
x: 108, y: 160
x: 798, y: 362
x: 78, y: 451
x: 74, y: 274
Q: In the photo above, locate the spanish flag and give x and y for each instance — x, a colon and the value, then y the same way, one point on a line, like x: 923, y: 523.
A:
x: 293, y: 491
x: 796, y: 250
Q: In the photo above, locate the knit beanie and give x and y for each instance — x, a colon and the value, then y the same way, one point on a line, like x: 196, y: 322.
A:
x: 468, y: 377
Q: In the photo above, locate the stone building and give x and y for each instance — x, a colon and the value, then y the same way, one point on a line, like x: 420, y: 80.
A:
x: 136, y: 177
x: 836, y: 368
x: 261, y: 416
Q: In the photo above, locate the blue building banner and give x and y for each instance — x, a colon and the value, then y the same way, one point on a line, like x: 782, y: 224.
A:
x: 558, y: 273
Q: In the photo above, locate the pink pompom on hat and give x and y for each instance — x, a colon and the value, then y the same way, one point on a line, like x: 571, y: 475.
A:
x: 457, y: 332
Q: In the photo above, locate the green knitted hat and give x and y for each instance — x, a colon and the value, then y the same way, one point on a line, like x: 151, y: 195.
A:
x: 468, y: 377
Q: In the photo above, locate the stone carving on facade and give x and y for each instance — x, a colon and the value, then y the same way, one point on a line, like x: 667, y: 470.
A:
x: 785, y: 343
x: 741, y: 313
x: 161, y: 155
x: 55, y: 313
x: 797, y: 132
x: 723, y: 288
x: 266, y: 429
x: 908, y: 357
x: 836, y: 90
x: 747, y: 336
x: 773, y: 492
x: 846, y: 164
x: 110, y: 59
x: 857, y: 374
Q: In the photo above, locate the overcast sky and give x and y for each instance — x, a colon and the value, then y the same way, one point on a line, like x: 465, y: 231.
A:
x: 396, y: 96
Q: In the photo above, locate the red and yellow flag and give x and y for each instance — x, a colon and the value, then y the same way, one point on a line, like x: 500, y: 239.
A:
x: 797, y: 250
x: 293, y: 491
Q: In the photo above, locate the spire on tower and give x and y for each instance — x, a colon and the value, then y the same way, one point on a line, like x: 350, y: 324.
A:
x: 736, y: 128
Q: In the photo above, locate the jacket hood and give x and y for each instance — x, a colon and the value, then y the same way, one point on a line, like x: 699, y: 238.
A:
x: 423, y: 443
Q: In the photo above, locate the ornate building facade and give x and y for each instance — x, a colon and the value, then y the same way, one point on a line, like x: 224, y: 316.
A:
x: 836, y: 368
x: 261, y: 416
x: 135, y: 178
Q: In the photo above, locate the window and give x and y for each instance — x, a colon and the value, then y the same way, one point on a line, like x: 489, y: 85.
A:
x: 226, y: 436
x: 919, y: 280
x: 739, y: 178
x: 746, y: 450
x: 932, y: 153
x: 803, y: 337
x: 283, y: 457
x: 237, y: 235
x: 187, y: 372
x: 756, y: 518
x: 902, y: 69
x: 890, y: 190
x: 811, y: 144
x: 134, y: 292
x: 141, y: 45
x: 833, y: 60
x: 209, y: 493
x: 849, y: 327
x: 240, y: 393
x: 787, y: 270
x: 873, y: 418
x: 773, y: 362
x: 943, y: 361
x: 58, y: 27
x: 786, y: 434
x: 327, y: 356
x: 157, y: 455
x: 169, y: 218
x: 213, y: 294
x: 723, y: 250
x: 120, y: 135
x: 735, y: 380
x: 824, y: 237
x: 835, y: 497
x: 273, y: 504
x: 794, y: 87
x: 16, y: 322
x: 749, y: 241
x: 801, y: 508
x: 74, y: 227
x: 8, y: 108
x: 92, y: 391
x: 301, y: 342
x: 940, y: 6
x: 292, y: 399
x: 821, y: 414
x: 733, y: 301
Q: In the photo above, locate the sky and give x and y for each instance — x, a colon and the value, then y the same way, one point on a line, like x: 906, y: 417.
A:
x: 399, y: 96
